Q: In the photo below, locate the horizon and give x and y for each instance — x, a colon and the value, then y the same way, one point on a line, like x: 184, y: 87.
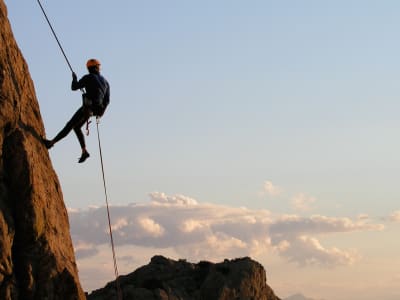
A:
x: 265, y: 129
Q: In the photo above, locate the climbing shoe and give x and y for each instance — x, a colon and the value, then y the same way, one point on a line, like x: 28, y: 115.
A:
x: 84, y: 156
x: 47, y: 143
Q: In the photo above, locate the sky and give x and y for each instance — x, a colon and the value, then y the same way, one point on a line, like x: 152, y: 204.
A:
x: 236, y: 128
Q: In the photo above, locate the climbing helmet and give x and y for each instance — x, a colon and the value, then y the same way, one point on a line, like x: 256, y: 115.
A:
x: 92, y: 63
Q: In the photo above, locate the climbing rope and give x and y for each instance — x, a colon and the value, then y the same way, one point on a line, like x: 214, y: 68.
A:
x: 55, y: 36
x: 119, y: 291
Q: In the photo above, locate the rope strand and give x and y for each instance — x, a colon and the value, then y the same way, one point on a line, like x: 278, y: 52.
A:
x: 55, y: 35
x: 119, y: 292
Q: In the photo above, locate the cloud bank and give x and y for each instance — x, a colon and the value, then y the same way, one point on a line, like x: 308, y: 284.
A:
x: 198, y: 231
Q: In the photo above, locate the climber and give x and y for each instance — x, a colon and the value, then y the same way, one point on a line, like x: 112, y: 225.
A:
x: 95, y: 101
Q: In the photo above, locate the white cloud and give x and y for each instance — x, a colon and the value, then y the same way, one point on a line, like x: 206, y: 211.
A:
x: 395, y: 216
x: 198, y: 231
x: 294, y: 238
x: 304, y: 250
x: 151, y: 227
x: 163, y: 199
x: 119, y: 224
x: 270, y: 189
x: 294, y: 225
x: 302, y: 202
x: 191, y: 225
x: 215, y: 247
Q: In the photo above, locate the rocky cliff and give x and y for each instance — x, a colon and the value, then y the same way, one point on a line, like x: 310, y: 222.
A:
x: 36, y: 254
x: 166, y: 279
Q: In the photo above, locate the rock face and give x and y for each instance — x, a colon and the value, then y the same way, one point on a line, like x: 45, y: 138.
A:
x: 36, y: 254
x: 165, y: 279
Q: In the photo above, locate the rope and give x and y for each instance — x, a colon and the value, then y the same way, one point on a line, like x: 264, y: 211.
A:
x: 119, y: 292
x: 54, y: 33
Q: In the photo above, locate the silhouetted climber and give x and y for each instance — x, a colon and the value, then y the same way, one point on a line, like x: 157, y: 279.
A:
x: 95, y: 101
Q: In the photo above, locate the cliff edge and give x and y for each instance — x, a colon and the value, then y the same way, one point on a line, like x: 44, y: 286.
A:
x: 36, y: 254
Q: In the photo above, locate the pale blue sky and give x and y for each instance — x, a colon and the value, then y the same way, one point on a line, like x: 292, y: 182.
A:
x: 211, y: 99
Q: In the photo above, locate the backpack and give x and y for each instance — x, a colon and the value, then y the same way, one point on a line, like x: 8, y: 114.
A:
x: 96, y: 104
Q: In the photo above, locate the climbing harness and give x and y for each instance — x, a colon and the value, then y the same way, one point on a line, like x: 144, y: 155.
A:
x: 87, y: 127
x: 118, y: 287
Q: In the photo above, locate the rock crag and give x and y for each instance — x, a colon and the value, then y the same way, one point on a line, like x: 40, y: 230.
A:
x: 166, y: 279
x: 36, y: 255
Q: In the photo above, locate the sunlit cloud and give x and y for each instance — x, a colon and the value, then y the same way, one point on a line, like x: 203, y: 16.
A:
x: 294, y: 225
x: 192, y: 225
x: 163, y: 199
x: 304, y: 250
x: 302, y: 202
x: 151, y: 227
x: 295, y: 239
x: 196, y: 231
x: 270, y: 189
x: 395, y: 216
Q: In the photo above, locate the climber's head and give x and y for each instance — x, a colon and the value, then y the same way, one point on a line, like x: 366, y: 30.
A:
x: 93, y: 65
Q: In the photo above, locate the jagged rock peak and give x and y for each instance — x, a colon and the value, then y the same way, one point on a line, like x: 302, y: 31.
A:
x: 167, y: 279
x: 36, y: 254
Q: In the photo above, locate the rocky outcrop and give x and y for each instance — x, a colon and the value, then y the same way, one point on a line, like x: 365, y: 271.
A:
x: 36, y: 254
x: 166, y: 279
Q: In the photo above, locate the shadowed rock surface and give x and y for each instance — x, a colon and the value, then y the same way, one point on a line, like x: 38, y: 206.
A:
x: 36, y: 254
x: 166, y: 279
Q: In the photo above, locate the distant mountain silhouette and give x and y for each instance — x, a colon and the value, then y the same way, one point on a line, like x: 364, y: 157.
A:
x: 298, y: 297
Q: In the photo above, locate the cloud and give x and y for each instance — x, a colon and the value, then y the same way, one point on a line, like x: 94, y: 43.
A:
x: 175, y: 222
x: 197, y: 231
x: 294, y: 238
x: 395, y: 216
x: 363, y: 217
x: 151, y: 227
x: 293, y: 225
x: 83, y: 250
x: 163, y: 199
x: 302, y: 202
x: 192, y: 225
x: 270, y: 189
x: 304, y: 250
